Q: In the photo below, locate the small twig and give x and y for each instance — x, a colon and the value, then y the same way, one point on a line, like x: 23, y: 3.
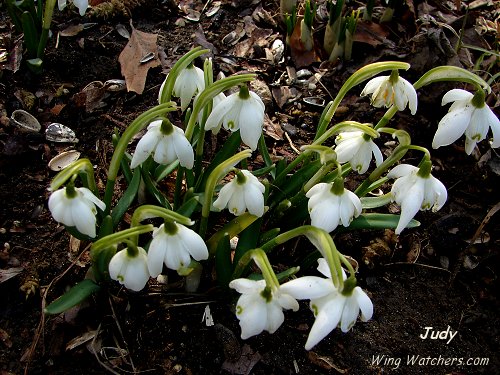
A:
x: 291, y: 144
x: 417, y: 264
x: 121, y: 334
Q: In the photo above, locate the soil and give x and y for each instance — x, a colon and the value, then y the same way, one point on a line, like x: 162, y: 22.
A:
x: 428, y: 277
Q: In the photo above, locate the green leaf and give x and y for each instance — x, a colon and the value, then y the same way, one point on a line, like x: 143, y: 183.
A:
x: 451, y: 73
x: 127, y: 198
x: 223, y: 264
x: 30, y: 34
x: 153, y: 190
x: 233, y: 228
x: 189, y: 206
x: 100, y: 262
x: 248, y: 239
x: 73, y: 297
x: 378, y: 221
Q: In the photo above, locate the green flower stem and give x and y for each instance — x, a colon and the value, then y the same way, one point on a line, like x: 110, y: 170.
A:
x: 260, y: 258
x: 149, y: 211
x: 388, y: 115
x: 219, y: 172
x: 119, y: 237
x: 47, y: 20
x: 358, y: 77
x: 136, y: 126
x: 182, y: 63
x: 348, y: 125
x: 451, y: 73
x: 319, y: 238
x: 348, y: 264
x: 83, y: 166
x: 207, y: 95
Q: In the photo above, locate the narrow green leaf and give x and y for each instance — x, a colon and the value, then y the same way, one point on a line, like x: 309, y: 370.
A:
x: 233, y: 228
x: 73, y: 297
x: 223, y: 264
x: 100, y: 262
x: 153, y: 190
x: 248, y: 239
x: 189, y: 206
x: 378, y: 221
x: 30, y: 34
x: 127, y: 198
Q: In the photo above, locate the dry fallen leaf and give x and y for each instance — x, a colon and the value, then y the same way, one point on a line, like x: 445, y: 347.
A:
x: 140, y: 44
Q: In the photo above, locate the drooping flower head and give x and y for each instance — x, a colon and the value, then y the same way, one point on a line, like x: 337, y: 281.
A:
x: 415, y: 189
x: 167, y: 143
x: 244, y: 111
x: 468, y: 114
x: 260, y: 308
x: 173, y: 245
x: 357, y: 148
x: 244, y: 192
x: 189, y: 82
x: 76, y: 207
x: 391, y: 90
x: 129, y: 267
x: 330, y: 204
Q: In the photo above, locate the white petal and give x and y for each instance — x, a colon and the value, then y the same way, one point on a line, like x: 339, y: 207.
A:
x: 247, y: 286
x: 364, y: 303
x: 91, y: 197
x: 219, y: 111
x: 349, y: 314
x: 452, y: 126
x: 327, y: 215
x: 194, y: 243
x: 326, y: 320
x: 494, y: 123
x: 237, y: 204
x: 324, y: 268
x: 254, y: 200
x: 402, y: 170
x: 286, y: 301
x: 183, y: 149
x: 57, y: 204
x: 373, y: 84
x: 82, y: 6
x: 252, y: 312
x: 251, y: 119
x: 84, y: 218
x: 376, y: 153
x: 146, y: 146
x: 479, y: 126
x: 117, y: 265
x: 137, y: 274
x: 308, y: 287
x: 156, y: 254
x: 275, y: 317
x: 225, y: 195
x: 400, y: 98
x: 411, y: 95
x: 410, y: 205
x: 456, y: 94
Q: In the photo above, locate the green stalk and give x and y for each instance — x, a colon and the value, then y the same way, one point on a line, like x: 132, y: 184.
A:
x: 47, y: 20
x: 80, y: 166
x: 136, y: 126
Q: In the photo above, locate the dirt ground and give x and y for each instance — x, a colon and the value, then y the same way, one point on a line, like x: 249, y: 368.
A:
x: 430, y: 277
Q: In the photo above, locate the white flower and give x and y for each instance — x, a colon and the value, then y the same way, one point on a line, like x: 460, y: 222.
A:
x: 166, y: 148
x: 82, y: 5
x: 239, y: 196
x: 236, y: 112
x: 413, y: 192
x: 189, y: 82
x: 75, y: 207
x: 131, y: 271
x: 352, y: 147
x: 335, y: 308
x: 259, y: 308
x: 464, y: 117
x: 328, y: 209
x: 174, y: 245
x: 386, y: 93
x: 216, y: 100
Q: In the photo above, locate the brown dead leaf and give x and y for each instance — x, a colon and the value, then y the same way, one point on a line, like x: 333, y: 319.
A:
x: 372, y: 33
x: 82, y: 339
x: 135, y: 72
x: 9, y: 273
x: 300, y: 56
x: 72, y: 30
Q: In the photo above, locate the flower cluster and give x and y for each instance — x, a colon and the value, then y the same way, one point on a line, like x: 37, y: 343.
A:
x: 171, y: 178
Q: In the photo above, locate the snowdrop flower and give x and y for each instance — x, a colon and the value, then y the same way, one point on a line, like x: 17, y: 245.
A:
x: 468, y: 114
x: 244, y: 111
x: 82, y: 5
x: 357, y: 148
x: 330, y: 204
x: 129, y: 269
x: 75, y: 207
x: 391, y: 90
x: 259, y: 308
x: 216, y: 100
x: 244, y: 192
x: 415, y: 189
x: 167, y: 143
x: 174, y: 244
x: 189, y: 82
x: 333, y: 308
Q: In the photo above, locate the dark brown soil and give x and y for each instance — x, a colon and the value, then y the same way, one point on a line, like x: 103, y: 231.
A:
x: 429, y: 277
